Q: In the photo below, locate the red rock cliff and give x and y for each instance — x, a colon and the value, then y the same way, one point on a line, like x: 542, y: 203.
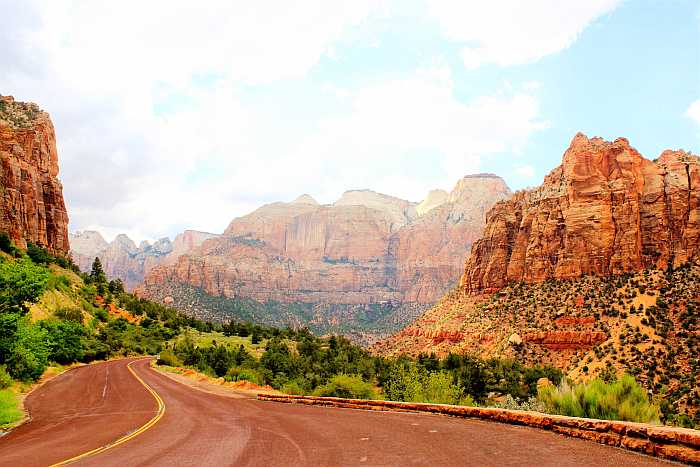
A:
x: 604, y: 210
x: 31, y: 197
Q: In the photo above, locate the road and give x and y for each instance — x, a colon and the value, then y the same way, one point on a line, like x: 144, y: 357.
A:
x: 92, y: 406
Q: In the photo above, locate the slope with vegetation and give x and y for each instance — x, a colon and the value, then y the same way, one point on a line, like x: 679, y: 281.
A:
x: 51, y: 314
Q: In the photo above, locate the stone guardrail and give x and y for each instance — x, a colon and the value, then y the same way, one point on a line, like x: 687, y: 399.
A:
x: 678, y: 444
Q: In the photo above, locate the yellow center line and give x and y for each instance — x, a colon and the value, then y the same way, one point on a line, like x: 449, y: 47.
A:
x: 132, y: 435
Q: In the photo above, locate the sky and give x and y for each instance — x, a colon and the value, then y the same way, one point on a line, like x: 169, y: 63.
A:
x: 178, y: 114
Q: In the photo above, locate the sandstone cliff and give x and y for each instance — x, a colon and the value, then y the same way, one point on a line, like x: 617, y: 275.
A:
x: 365, y: 250
x: 122, y: 259
x: 604, y: 210
x: 31, y: 197
x: 575, y: 273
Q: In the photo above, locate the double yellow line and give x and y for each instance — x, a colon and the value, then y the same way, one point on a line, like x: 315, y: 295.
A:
x: 132, y: 435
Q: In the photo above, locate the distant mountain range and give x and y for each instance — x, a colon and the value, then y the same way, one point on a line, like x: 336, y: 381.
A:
x: 122, y: 259
x: 363, y: 266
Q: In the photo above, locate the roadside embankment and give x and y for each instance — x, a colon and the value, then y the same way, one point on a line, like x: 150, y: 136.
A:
x: 678, y: 444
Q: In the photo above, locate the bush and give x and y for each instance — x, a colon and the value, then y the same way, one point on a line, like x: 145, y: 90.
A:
x: 65, y: 340
x: 347, y: 386
x: 623, y: 399
x: 30, y: 353
x: 69, y: 314
x: 244, y: 374
x: 5, y: 378
x: 6, y: 243
x: 168, y: 358
x: 438, y: 389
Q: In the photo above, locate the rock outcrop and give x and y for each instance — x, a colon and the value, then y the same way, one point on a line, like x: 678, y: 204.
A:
x: 122, y: 259
x: 604, y: 210
x: 31, y: 197
x: 575, y: 273
x: 365, y: 249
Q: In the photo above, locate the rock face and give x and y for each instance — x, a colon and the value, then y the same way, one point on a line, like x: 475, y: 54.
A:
x: 31, y: 197
x: 124, y: 260
x: 604, y: 210
x: 365, y: 249
x: 545, y: 283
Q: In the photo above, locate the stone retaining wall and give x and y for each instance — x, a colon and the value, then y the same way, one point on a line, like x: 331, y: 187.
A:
x: 678, y: 444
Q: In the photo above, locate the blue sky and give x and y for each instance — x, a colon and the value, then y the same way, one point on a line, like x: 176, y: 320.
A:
x: 183, y: 117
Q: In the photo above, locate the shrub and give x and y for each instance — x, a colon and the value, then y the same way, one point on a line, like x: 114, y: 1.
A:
x: 167, y: 357
x: 5, y: 378
x: 623, y: 399
x: 439, y: 389
x: 348, y: 386
x: 6, y: 243
x: 65, y: 340
x: 69, y: 314
x: 29, y: 355
x: 244, y: 374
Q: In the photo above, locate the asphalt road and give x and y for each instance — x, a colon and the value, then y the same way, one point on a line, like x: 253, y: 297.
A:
x: 92, y: 406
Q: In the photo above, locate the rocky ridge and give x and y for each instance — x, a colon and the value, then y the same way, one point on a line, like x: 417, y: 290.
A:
x: 604, y: 210
x: 31, y: 197
x: 365, y: 252
x: 595, y: 271
x: 122, y: 259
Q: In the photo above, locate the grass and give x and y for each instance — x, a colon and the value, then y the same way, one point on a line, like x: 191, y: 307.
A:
x: 206, y: 339
x: 623, y: 399
x: 10, y: 411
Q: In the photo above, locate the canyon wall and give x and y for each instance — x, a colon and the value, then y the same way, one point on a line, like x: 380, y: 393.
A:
x: 31, y: 197
x: 604, y: 210
x: 366, y: 249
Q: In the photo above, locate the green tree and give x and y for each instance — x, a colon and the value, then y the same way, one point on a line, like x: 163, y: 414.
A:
x: 21, y: 283
x: 29, y: 353
x: 97, y: 274
x: 65, y: 340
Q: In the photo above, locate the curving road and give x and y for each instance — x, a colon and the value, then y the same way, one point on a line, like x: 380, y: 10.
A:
x: 92, y: 406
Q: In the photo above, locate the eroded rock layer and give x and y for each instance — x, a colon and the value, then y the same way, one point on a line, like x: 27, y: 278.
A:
x: 31, y: 197
x: 604, y: 210
x: 122, y: 259
x: 365, y: 249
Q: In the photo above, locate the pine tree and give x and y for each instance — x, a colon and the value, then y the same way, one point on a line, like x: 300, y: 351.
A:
x: 97, y: 274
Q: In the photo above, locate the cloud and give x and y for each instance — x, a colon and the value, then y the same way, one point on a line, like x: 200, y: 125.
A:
x: 525, y: 171
x: 513, y: 32
x: 407, y: 136
x: 161, y: 126
x: 693, y: 111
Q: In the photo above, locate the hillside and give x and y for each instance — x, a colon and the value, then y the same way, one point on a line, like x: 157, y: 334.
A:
x: 363, y: 266
x: 596, y: 272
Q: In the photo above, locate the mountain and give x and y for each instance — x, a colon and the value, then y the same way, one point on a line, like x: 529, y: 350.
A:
x: 604, y: 210
x: 363, y: 266
x: 595, y: 271
x: 31, y: 197
x: 122, y: 259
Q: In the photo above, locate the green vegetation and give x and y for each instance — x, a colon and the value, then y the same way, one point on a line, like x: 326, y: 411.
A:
x: 348, y: 386
x: 364, y: 323
x: 81, y: 332
x: 97, y: 320
x: 623, y: 399
x: 9, y: 408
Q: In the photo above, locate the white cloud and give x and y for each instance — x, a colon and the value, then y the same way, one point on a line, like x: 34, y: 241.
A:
x: 694, y: 111
x: 525, y: 171
x: 406, y: 136
x: 105, y: 74
x: 511, y: 32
